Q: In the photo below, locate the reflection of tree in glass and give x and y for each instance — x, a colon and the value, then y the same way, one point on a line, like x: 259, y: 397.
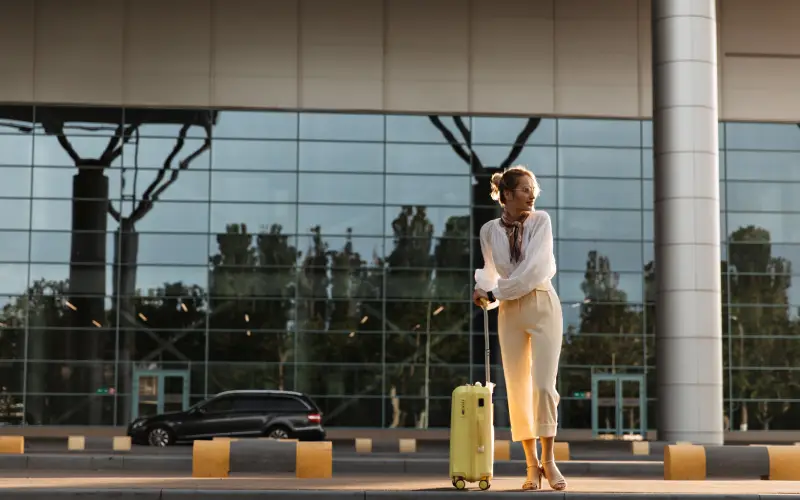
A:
x: 759, y: 285
x: 354, y: 292
x: 610, y: 333
x: 762, y: 337
x: 252, y: 290
x: 338, y: 344
x: 45, y: 303
x: 409, y: 276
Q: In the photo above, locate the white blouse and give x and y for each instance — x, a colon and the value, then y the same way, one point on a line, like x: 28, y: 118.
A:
x: 509, y: 281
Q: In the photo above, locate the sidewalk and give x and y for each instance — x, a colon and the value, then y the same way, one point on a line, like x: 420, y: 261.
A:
x: 62, y: 482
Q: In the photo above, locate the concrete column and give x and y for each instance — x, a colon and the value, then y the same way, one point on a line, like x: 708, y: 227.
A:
x: 687, y: 221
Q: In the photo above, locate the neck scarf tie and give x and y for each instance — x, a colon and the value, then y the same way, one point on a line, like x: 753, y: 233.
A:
x: 514, y: 232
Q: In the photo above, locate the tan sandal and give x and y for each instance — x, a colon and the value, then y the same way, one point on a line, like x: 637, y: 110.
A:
x: 536, y: 483
x: 558, y: 482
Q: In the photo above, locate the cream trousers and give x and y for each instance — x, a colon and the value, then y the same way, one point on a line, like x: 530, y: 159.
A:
x: 530, y: 334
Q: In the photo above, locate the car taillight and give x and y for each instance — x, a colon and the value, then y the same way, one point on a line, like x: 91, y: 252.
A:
x: 315, y: 418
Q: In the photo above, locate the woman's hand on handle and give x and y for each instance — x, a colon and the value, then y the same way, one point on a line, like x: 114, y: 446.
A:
x: 479, y: 294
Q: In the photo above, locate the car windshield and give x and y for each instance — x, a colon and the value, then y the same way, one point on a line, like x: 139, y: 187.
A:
x: 198, y: 405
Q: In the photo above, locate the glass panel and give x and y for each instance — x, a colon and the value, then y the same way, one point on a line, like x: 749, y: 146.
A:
x: 425, y: 159
x: 631, y: 411
x: 173, y: 393
x: 502, y: 130
x: 762, y: 136
x: 600, y: 193
x: 254, y: 186
x: 252, y: 218
x: 600, y: 162
x: 606, y: 407
x: 15, y: 149
x: 15, y: 214
x: 594, y: 132
x: 16, y: 182
x: 229, y: 154
x: 573, y: 255
x: 148, y: 396
x: 341, y: 157
x: 256, y: 125
x: 341, y: 219
x: 341, y: 188
x: 422, y: 129
x: 764, y: 196
x: 430, y: 189
x: 763, y: 166
x: 599, y: 224
x: 342, y: 127
x: 541, y: 160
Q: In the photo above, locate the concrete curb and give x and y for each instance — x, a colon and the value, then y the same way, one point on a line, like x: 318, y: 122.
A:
x: 355, y: 465
x: 167, y: 494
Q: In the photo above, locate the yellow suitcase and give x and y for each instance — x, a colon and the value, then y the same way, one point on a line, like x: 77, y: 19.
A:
x: 472, y: 426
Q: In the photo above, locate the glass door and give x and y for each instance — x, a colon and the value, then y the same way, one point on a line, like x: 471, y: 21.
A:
x: 159, y: 391
x: 619, y: 405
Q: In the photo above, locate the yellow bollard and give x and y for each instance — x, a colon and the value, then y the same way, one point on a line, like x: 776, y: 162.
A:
x: 76, y: 443
x: 12, y: 445
x: 684, y: 463
x: 211, y: 458
x: 121, y: 443
x: 314, y: 460
x: 408, y: 445
x: 561, y: 452
x: 640, y: 447
x: 363, y: 445
x: 502, y: 450
x: 784, y: 463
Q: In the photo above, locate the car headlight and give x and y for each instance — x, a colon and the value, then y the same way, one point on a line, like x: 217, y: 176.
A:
x: 137, y: 423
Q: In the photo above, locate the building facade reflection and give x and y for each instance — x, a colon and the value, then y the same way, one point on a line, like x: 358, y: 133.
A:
x: 308, y: 251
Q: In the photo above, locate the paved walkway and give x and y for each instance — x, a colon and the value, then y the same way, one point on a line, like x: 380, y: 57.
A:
x: 62, y: 480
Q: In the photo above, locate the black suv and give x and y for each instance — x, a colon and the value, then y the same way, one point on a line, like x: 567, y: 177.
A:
x: 276, y: 414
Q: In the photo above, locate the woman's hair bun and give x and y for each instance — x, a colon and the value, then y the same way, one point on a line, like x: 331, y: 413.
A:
x: 497, y: 181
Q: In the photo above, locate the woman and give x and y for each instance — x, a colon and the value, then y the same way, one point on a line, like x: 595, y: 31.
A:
x: 518, y: 266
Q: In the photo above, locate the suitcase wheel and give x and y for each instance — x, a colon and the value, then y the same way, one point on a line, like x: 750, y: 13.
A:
x: 484, y: 484
x: 459, y: 483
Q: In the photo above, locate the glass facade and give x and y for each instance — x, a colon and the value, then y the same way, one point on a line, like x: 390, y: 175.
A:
x: 333, y: 254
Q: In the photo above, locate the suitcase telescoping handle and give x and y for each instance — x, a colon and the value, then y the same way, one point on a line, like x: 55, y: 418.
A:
x: 485, y: 305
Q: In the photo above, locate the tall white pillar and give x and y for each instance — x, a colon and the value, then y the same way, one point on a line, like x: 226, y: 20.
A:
x: 687, y: 221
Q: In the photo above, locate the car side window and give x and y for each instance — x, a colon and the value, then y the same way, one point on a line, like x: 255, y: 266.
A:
x: 286, y: 404
x: 281, y: 404
x: 250, y: 404
x: 219, y: 405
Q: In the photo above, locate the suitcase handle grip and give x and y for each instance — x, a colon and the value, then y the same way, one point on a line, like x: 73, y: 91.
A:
x: 481, y: 448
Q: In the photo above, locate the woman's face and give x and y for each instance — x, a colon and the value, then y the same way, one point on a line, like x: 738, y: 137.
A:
x: 521, y: 197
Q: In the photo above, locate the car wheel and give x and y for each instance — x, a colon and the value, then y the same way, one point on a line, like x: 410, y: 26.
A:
x: 159, y: 436
x: 278, y: 433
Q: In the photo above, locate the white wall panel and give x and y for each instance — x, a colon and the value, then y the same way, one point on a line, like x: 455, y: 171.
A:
x: 342, y: 54
x: 565, y: 57
x: 255, y: 53
x: 79, y: 52
x: 512, y: 59
x: 427, y: 55
x: 17, y: 53
x: 167, y: 52
x: 761, y: 46
x: 597, y: 57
